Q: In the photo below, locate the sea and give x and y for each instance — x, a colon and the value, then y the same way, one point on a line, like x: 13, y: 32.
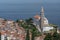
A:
x: 15, y: 11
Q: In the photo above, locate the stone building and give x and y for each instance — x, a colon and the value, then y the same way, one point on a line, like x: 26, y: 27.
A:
x: 43, y: 24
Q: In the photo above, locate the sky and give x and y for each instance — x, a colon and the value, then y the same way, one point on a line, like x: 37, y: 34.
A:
x: 29, y: 1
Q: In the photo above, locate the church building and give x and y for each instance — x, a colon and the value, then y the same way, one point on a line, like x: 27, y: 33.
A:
x: 43, y: 25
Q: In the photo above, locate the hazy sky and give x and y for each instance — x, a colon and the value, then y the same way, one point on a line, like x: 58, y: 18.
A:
x: 28, y: 1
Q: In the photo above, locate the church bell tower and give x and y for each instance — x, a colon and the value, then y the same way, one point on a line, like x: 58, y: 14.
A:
x: 42, y: 19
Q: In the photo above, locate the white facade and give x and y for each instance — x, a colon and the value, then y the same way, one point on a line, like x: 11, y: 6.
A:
x: 2, y: 37
x: 10, y: 22
x: 8, y: 38
x: 47, y: 28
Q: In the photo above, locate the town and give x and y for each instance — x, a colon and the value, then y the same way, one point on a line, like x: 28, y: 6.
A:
x: 37, y: 28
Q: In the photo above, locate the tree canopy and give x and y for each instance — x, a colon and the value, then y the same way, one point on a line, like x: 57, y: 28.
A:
x: 28, y: 25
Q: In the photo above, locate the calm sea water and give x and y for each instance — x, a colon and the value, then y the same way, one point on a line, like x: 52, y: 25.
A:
x: 27, y: 10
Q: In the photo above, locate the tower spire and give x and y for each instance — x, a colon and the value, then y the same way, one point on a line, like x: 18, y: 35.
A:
x: 42, y: 11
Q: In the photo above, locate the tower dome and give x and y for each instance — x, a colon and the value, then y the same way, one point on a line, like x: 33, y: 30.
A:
x: 37, y: 16
x: 46, y: 21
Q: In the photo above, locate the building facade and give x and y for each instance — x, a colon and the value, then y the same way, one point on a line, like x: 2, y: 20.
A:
x: 43, y: 24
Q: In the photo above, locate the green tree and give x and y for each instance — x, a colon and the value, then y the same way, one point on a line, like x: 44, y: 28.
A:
x: 33, y: 28
x: 17, y: 20
x: 48, y: 37
x: 27, y: 35
x: 28, y: 25
x: 0, y: 36
x: 56, y: 36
